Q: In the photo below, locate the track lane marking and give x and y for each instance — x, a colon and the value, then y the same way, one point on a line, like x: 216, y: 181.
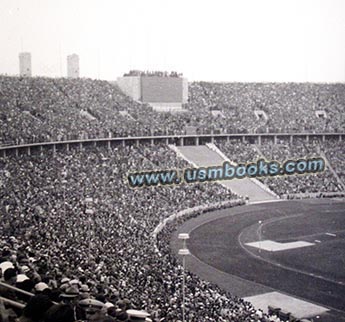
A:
x: 248, y: 251
x: 192, y: 227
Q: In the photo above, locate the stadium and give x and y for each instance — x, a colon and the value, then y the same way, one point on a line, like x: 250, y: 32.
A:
x: 161, y: 198
x: 71, y: 223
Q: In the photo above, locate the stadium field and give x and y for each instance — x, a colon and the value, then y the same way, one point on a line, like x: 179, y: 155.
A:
x: 292, y: 247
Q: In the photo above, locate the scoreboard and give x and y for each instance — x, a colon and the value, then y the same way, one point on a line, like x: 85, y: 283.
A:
x: 161, y: 89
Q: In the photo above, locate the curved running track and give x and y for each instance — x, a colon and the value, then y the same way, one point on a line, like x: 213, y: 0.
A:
x: 316, y: 273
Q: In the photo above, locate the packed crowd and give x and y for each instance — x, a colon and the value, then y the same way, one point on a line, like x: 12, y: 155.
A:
x: 334, y: 151
x: 54, y: 248
x: 284, y: 150
x: 46, y: 109
x: 238, y: 151
x: 290, y: 107
x: 95, y: 265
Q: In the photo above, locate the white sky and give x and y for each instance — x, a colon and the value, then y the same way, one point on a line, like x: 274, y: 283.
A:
x: 218, y: 40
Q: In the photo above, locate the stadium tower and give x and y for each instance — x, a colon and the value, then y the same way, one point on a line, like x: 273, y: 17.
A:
x: 25, y: 64
x: 73, y: 66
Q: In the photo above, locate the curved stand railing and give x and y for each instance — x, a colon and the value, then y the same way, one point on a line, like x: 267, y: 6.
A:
x: 167, y: 139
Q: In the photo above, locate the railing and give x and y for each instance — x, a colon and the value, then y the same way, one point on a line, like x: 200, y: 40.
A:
x: 194, y: 139
x: 16, y: 289
x: 14, y: 303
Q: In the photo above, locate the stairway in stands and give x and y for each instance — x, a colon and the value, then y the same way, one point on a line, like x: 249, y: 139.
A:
x: 203, y: 156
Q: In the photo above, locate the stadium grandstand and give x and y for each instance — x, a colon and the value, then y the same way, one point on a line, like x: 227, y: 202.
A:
x: 79, y: 244
x: 37, y: 109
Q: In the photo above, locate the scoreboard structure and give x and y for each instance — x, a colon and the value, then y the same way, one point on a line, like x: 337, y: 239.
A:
x: 163, y: 93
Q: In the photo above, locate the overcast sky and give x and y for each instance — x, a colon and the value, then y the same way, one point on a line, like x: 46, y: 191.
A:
x: 218, y: 40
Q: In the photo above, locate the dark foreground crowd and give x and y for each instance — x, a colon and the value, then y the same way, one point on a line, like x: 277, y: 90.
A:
x: 75, y: 235
x: 97, y: 265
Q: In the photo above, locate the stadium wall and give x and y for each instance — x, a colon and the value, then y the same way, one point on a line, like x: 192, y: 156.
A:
x: 180, y: 140
x: 130, y: 85
x: 184, y: 90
